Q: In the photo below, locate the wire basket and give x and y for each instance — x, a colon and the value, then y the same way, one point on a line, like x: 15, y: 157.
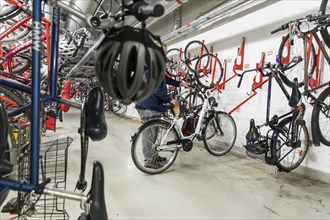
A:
x: 53, y: 165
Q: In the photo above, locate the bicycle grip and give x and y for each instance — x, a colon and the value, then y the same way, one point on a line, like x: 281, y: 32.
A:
x: 283, y: 27
x: 240, y: 81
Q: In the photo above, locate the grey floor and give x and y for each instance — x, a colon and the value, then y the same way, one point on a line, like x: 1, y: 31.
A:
x: 197, y: 186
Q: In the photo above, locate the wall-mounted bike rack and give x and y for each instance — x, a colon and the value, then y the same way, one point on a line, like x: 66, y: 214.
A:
x: 255, y: 85
x: 237, y: 66
x: 315, y: 80
x: 239, y: 61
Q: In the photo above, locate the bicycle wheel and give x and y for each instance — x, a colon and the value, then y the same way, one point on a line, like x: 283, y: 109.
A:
x: 195, y: 100
x: 8, y: 12
x: 117, y: 107
x: 321, y: 116
x: 325, y: 9
x: 219, y: 134
x: 151, y: 151
x: 208, y: 71
x: 296, y: 50
x: 173, y: 65
x: 19, y: 34
x: 20, y: 63
x: 192, y: 52
x: 290, y: 155
x: 10, y: 99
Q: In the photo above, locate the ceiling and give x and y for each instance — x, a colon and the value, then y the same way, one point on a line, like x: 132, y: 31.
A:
x: 98, y: 7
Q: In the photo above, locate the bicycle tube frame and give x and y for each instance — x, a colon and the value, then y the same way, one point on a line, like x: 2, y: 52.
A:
x: 9, y: 56
x: 22, y: 23
x: 201, y: 117
x: 87, y: 56
x: 35, y: 117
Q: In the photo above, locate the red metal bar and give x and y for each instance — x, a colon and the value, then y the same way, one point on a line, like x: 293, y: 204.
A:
x: 240, y: 53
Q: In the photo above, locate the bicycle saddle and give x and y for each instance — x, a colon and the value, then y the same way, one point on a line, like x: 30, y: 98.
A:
x: 96, y: 126
x: 252, y: 134
x: 295, y: 97
x: 5, y: 166
x: 98, y: 208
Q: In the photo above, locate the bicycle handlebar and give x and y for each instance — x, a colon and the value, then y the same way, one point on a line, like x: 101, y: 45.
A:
x: 139, y: 9
x: 142, y: 10
x: 309, y: 18
x: 283, y: 27
x: 269, y: 66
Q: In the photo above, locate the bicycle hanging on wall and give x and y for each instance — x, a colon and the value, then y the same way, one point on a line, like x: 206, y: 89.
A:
x: 303, y: 39
x: 286, y: 143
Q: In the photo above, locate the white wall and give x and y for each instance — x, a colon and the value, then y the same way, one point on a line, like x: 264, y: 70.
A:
x: 256, y: 26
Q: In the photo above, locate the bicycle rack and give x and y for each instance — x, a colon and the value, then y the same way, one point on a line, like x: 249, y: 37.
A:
x: 255, y: 85
x: 258, y: 84
x: 237, y: 66
x: 240, y: 57
x: 315, y: 81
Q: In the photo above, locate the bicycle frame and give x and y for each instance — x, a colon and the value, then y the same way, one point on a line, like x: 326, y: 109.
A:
x: 33, y: 184
x: 8, y: 57
x: 89, y: 54
x: 22, y: 23
x: 199, y: 127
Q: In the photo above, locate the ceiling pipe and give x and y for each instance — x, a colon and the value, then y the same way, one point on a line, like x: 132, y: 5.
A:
x: 229, y: 8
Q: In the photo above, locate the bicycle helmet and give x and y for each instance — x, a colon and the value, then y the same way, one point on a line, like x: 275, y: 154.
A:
x: 129, y: 65
x: 65, y: 49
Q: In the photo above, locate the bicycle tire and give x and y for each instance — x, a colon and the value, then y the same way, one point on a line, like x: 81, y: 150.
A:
x: 194, y: 100
x: 321, y: 116
x: 10, y: 99
x: 11, y: 12
x: 154, y: 129
x: 4, y: 146
x: 117, y: 107
x: 208, y: 71
x: 20, y: 63
x: 296, y: 71
x: 19, y: 34
x: 325, y: 9
x: 219, y: 141
x: 286, y: 155
x: 192, y: 52
x: 173, y: 59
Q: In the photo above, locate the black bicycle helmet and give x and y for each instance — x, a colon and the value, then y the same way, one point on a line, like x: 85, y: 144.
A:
x: 129, y: 64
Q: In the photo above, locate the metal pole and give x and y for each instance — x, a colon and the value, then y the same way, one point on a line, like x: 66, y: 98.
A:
x: 35, y: 116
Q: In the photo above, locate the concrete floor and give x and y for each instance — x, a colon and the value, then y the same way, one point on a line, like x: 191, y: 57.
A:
x: 197, y: 186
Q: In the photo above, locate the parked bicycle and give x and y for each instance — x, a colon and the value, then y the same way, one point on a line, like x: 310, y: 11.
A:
x: 164, y: 137
x: 286, y: 143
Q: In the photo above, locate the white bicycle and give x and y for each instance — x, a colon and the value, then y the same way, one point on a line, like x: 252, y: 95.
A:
x: 156, y: 143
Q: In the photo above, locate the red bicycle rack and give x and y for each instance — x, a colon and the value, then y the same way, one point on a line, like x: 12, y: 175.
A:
x: 258, y: 84
x: 240, y: 57
x: 255, y: 85
x: 315, y: 81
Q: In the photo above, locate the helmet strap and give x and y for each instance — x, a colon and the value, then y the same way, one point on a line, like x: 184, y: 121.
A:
x: 143, y: 24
